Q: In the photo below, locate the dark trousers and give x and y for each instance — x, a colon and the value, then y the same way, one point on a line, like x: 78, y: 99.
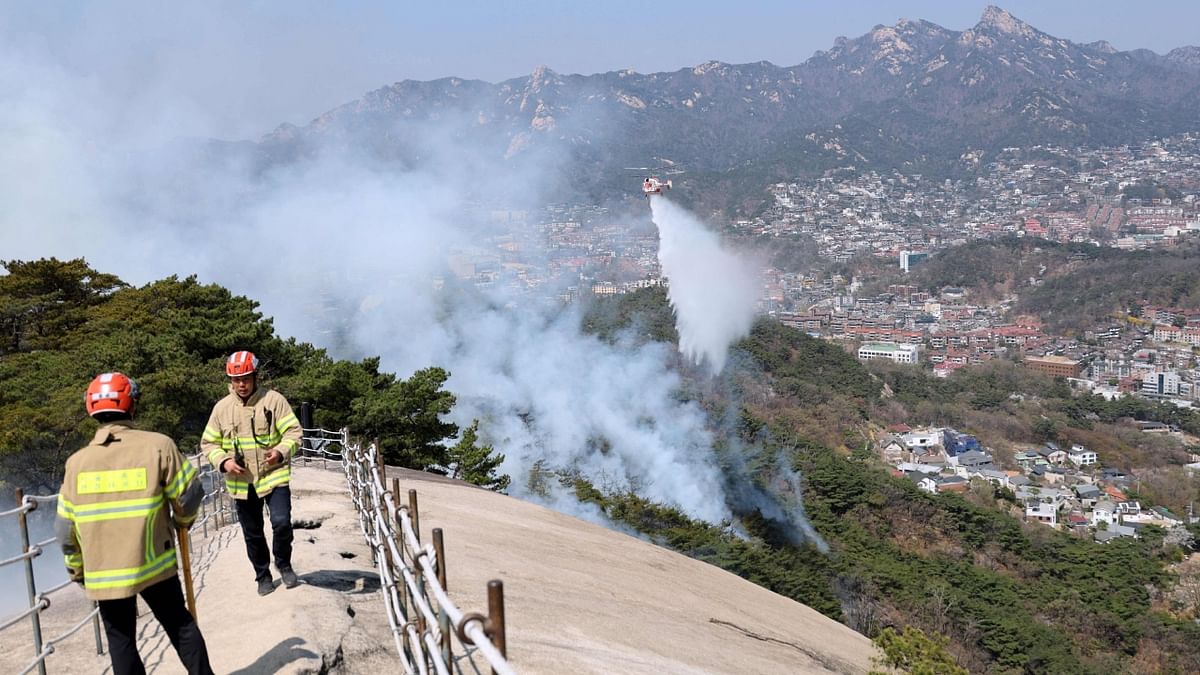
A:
x: 166, y: 602
x: 250, y: 513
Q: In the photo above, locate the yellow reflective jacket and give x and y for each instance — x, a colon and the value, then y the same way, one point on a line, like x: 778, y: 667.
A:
x: 113, y: 519
x: 251, y: 428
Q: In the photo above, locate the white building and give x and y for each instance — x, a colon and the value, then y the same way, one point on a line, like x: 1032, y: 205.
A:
x: 1104, y: 512
x: 1081, y: 456
x: 1161, y: 384
x: 922, y: 438
x: 889, y: 350
x: 910, y: 258
x: 1042, y: 512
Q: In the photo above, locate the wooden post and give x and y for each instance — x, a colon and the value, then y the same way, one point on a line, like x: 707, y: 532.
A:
x: 400, y: 543
x: 185, y: 560
x: 495, y: 622
x: 414, y: 514
x: 439, y: 549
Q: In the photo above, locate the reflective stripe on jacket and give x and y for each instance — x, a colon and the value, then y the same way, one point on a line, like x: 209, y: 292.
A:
x: 264, y: 421
x: 118, y: 499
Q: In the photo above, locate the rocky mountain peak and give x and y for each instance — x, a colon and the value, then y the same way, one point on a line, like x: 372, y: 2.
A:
x: 1102, y: 46
x: 542, y: 77
x: 996, y: 20
x: 709, y: 67
x: 1185, y: 56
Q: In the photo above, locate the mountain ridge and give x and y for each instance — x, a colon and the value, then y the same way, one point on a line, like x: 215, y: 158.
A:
x: 911, y: 96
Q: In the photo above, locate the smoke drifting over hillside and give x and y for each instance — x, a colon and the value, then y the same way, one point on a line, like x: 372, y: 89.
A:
x: 347, y: 252
x: 712, y: 290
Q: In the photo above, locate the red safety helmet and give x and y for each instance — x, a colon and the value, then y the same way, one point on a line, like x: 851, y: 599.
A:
x: 241, y: 363
x: 110, y: 392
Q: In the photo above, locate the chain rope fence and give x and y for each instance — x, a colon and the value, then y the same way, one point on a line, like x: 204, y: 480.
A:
x: 215, y: 510
x: 431, y: 634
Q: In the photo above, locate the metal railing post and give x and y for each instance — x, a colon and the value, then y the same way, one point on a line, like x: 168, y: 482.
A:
x: 30, y: 583
x: 204, y: 515
x: 219, y: 508
x: 96, y: 628
x: 495, y: 622
x: 439, y: 550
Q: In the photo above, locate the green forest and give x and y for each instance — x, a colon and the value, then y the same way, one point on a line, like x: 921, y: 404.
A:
x: 62, y: 323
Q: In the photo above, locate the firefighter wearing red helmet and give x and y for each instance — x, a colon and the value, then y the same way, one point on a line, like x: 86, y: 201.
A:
x: 251, y: 437
x: 120, y: 498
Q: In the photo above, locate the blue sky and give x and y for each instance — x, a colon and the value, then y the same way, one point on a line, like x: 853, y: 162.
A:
x: 246, y: 66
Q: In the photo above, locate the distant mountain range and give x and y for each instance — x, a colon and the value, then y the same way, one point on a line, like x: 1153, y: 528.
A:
x: 914, y: 96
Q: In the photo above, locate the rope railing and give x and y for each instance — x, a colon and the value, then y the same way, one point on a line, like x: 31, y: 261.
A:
x: 321, y: 444
x: 214, y: 506
x: 430, y: 632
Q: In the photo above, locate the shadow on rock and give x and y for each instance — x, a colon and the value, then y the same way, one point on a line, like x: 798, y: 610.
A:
x: 280, y: 655
x: 343, y: 581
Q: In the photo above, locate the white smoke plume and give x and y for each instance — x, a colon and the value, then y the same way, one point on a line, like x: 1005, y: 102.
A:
x: 345, y: 252
x: 712, y: 290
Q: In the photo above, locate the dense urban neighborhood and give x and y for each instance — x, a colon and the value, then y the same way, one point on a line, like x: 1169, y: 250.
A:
x: 1128, y: 197
x: 1059, y: 487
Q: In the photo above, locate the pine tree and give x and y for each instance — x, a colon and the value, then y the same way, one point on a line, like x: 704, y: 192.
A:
x: 476, y: 463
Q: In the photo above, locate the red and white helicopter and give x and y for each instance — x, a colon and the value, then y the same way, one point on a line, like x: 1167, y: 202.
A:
x: 654, y: 186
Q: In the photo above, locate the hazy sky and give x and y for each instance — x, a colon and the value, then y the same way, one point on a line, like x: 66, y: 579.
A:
x: 236, y: 68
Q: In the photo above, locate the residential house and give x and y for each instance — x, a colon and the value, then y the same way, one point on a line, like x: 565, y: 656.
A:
x: 1088, y: 494
x: 921, y: 438
x: 1053, y: 475
x: 993, y: 476
x: 929, y: 454
x: 1041, y: 512
x: 1028, y: 459
x: 1157, y: 515
x: 933, y: 483
x: 925, y: 482
x: 892, y: 449
x: 1081, y: 456
x: 1129, y: 509
x: 971, y: 459
x: 1125, y: 530
x: 1114, y: 532
x: 1165, y: 517
x: 912, y: 467
x: 1112, y: 474
x: 1105, y: 512
x: 1077, y: 521
x: 1053, y: 454
x: 952, y: 484
x: 956, y: 443
x: 1115, y: 493
x: 1046, y: 494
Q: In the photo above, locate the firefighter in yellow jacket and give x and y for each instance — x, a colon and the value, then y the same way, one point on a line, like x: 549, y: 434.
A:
x: 120, y: 498
x: 251, y: 437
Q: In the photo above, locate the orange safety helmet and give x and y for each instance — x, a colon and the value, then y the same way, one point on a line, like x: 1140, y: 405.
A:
x: 110, y: 392
x: 241, y: 363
